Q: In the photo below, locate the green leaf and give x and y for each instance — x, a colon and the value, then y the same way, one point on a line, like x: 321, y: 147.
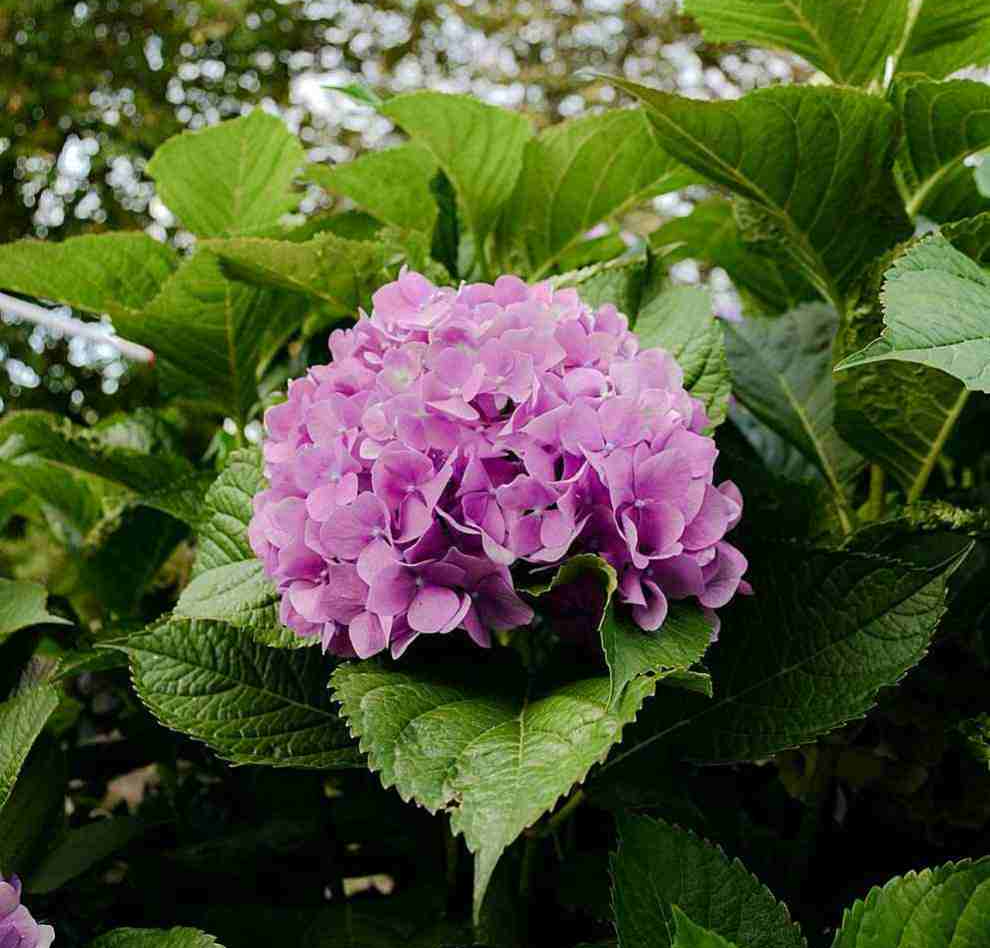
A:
x: 23, y: 604
x: 232, y: 178
x: 446, y: 241
x: 780, y: 372
x: 339, y: 273
x: 228, y: 582
x: 578, y: 173
x: 934, y: 908
x: 681, y: 321
x: 478, y: 146
x: 121, y: 450
x: 478, y: 747
x: 619, y: 282
x: 155, y: 938
x: 689, y: 935
x: 809, y: 650
x: 210, y: 333
x: 802, y: 156
x: 116, y: 274
x: 848, y: 40
x: 658, y: 866
x: 250, y: 703
x: 21, y: 720
x: 393, y: 185
x: 948, y: 35
x: 896, y: 414
x: 944, y: 123
x: 936, y: 312
x: 83, y: 848
x: 35, y: 809
x: 710, y: 233
x: 971, y: 236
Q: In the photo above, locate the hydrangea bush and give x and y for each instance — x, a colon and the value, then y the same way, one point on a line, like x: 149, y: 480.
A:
x: 458, y: 432
x: 415, y: 603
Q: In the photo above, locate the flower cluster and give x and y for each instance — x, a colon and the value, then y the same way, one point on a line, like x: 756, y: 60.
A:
x: 17, y: 928
x: 459, y: 431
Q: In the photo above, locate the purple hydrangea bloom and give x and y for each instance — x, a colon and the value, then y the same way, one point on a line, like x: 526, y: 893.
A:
x: 17, y: 928
x: 458, y: 432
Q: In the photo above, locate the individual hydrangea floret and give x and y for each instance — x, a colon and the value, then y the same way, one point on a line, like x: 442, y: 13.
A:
x: 17, y: 928
x: 458, y: 433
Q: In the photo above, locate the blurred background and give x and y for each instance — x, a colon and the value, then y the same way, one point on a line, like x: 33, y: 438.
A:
x: 88, y: 90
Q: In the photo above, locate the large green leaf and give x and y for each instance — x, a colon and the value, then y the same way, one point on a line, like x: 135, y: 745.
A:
x: 478, y: 146
x: 35, y: 810
x: 21, y: 720
x: 578, y: 173
x: 250, y: 703
x: 393, y: 185
x: 681, y: 320
x: 780, y: 372
x: 155, y: 938
x: 944, y: 123
x: 936, y: 312
x: 232, y: 178
x: 710, y: 233
x: 848, y: 40
x: 23, y: 604
x: 947, y: 907
x: 210, y: 333
x: 948, y: 35
x: 337, y: 272
x: 802, y: 157
x: 658, y: 866
x: 809, y: 650
x: 120, y: 450
x: 228, y: 583
x: 100, y: 273
x: 477, y: 746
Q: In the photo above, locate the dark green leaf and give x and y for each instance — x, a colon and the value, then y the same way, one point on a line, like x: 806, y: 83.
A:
x: 35, y: 809
x: 21, y: 720
x: 948, y: 35
x: 780, y: 372
x: 658, y: 866
x: 155, y: 938
x: 689, y: 935
x: 23, y: 604
x: 250, y: 703
x: 802, y: 156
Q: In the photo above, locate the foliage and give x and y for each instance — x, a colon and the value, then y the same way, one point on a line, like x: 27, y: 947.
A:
x: 225, y: 778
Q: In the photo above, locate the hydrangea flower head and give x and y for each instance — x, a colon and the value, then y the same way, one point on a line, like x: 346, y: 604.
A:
x: 17, y: 928
x: 460, y: 434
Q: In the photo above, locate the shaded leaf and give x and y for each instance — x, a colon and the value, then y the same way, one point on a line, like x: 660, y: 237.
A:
x: 34, y: 810
x: 810, y: 649
x: 578, y: 173
x: 948, y: 35
x: 120, y: 450
x: 251, y: 704
x: 944, y: 123
x: 156, y: 938
x: 780, y: 372
x: 802, y: 156
x: 710, y: 233
x: 689, y: 935
x: 658, y: 866
x: 232, y: 178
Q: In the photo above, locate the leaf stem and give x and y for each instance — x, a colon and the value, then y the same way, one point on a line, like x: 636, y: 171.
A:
x: 877, y: 505
x: 564, y: 813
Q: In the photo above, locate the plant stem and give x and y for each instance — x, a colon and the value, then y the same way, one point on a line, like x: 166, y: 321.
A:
x: 565, y: 812
x: 878, y: 492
